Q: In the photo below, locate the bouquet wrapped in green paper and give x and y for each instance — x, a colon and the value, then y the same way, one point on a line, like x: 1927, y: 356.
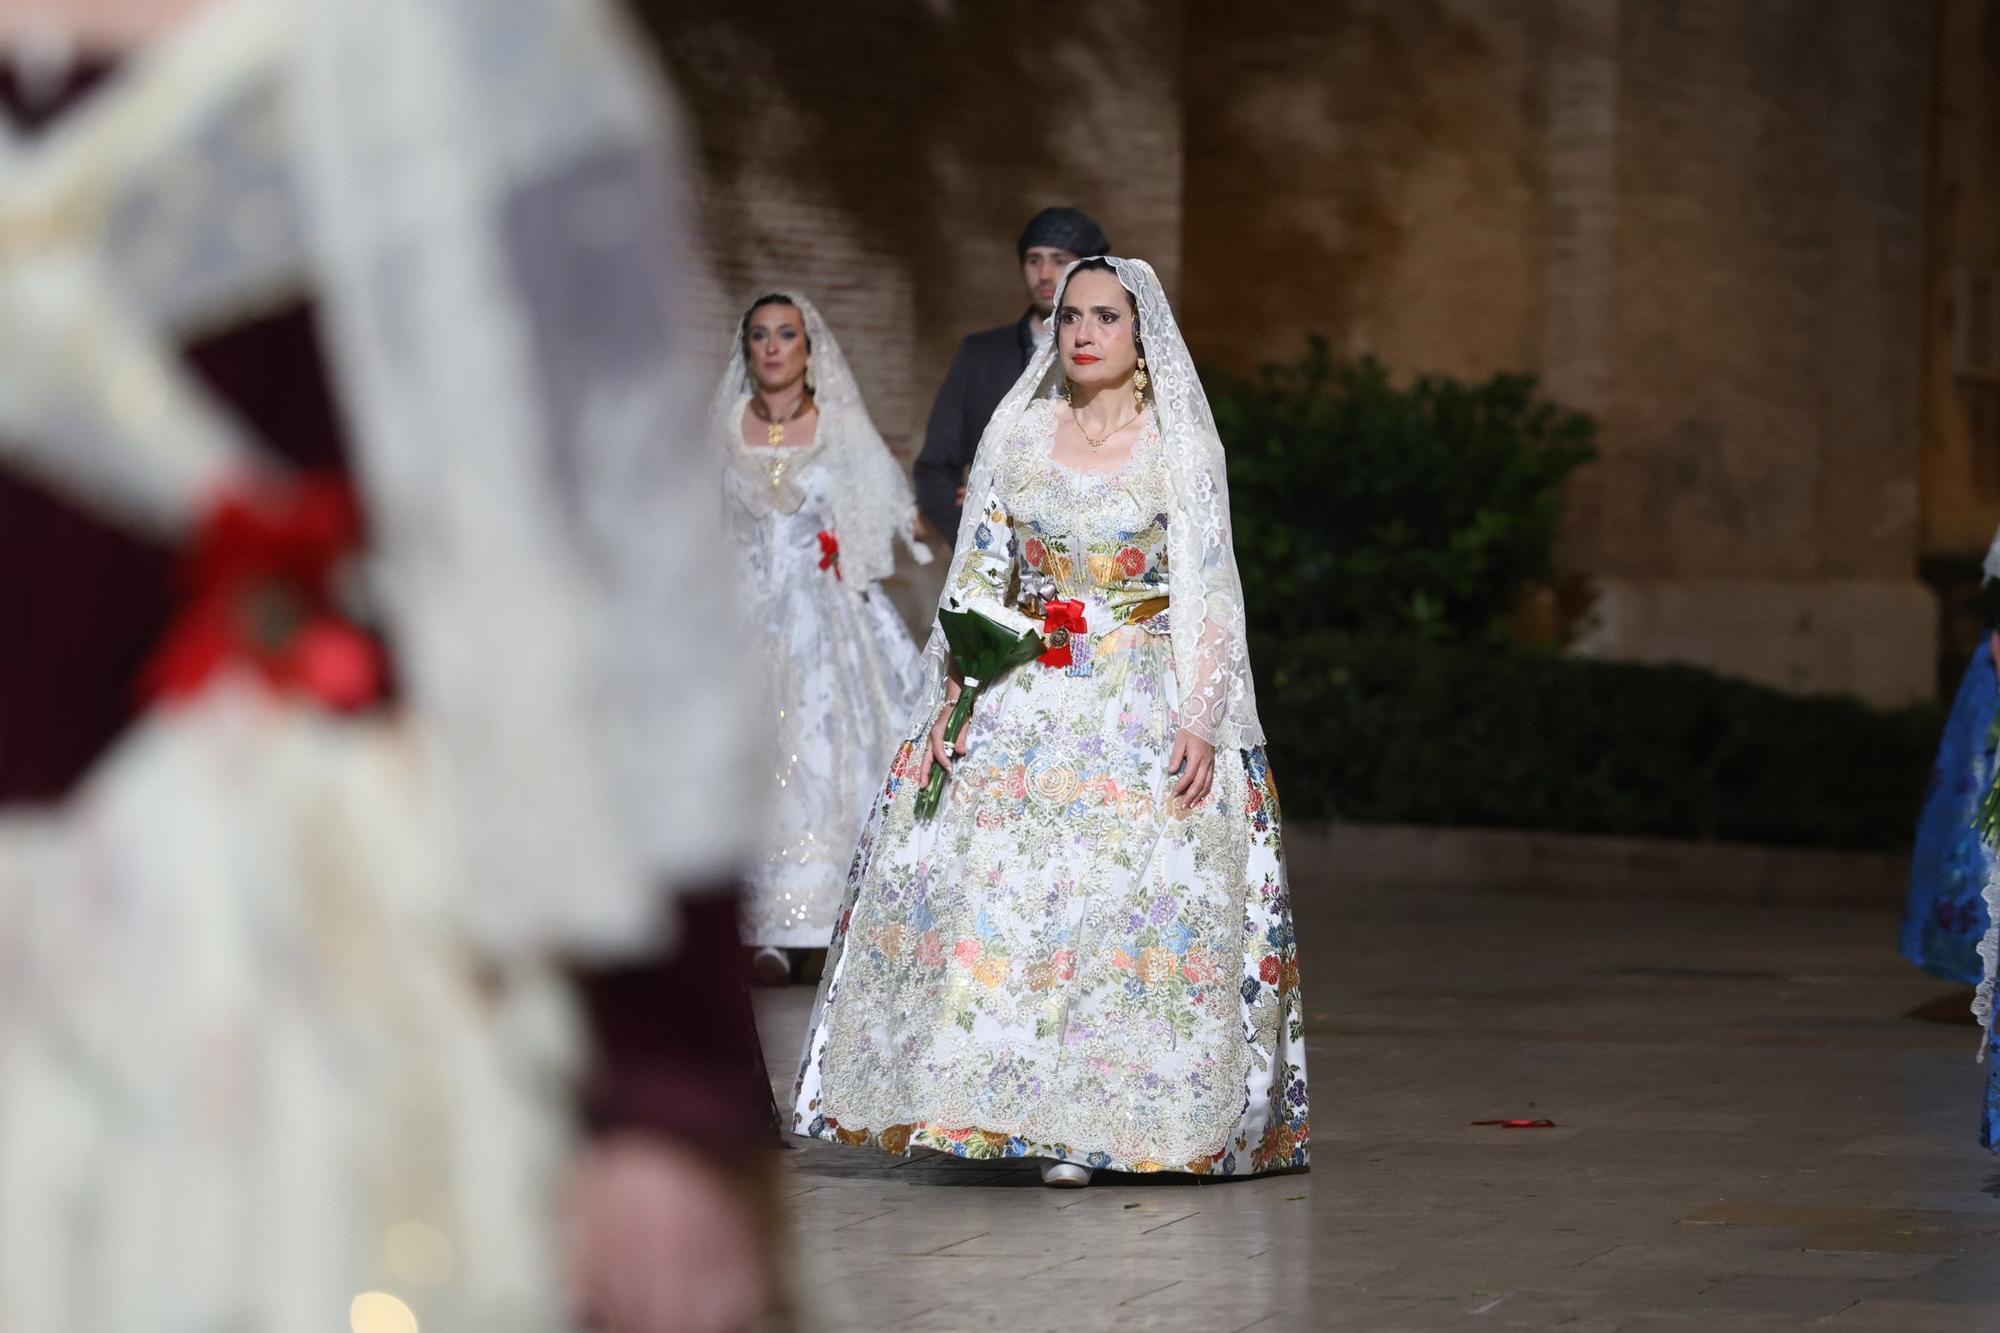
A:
x: 985, y: 650
x: 1986, y: 815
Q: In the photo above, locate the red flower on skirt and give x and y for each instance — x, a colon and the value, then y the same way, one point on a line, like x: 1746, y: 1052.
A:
x: 261, y: 573
x: 1062, y: 622
x: 1132, y: 562
x: 1034, y: 552
x: 829, y: 554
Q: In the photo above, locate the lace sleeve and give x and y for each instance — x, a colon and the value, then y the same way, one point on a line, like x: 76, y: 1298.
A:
x: 1211, y: 652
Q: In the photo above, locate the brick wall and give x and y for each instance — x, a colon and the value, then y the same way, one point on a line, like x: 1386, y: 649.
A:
x: 882, y: 156
x: 1701, y: 220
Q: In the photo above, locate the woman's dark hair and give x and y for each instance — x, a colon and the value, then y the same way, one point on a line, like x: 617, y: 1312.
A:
x: 768, y: 298
x: 1099, y: 264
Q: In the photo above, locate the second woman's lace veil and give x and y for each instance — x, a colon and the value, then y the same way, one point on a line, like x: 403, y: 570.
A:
x: 1218, y: 699
x: 872, y: 502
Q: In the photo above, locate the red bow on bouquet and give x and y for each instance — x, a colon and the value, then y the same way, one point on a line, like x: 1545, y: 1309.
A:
x: 829, y: 554
x: 1061, y: 622
x: 260, y: 576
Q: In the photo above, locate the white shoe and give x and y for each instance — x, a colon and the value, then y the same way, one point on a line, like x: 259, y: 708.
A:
x: 1065, y: 1175
x: 770, y: 967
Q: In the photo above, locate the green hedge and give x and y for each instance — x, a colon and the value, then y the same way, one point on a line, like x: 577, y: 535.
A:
x: 1398, y: 730
x: 1368, y: 506
x: 1387, y: 534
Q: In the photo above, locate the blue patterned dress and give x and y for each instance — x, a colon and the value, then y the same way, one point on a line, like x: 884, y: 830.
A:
x: 1989, y: 1119
x: 1944, y: 917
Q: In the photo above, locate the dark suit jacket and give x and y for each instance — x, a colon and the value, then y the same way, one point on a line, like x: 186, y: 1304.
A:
x: 987, y: 364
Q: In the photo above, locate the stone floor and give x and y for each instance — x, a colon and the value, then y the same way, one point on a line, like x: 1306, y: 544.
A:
x: 1753, y: 1132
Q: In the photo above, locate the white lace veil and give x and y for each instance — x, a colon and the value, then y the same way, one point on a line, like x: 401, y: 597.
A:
x: 872, y: 502
x: 486, y: 196
x: 500, y: 227
x: 1212, y: 658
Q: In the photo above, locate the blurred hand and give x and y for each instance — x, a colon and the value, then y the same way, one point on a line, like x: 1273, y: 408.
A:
x: 942, y: 749
x: 659, y: 1241
x: 1194, y: 759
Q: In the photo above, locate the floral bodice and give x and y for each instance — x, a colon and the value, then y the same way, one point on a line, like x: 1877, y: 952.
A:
x: 1055, y: 531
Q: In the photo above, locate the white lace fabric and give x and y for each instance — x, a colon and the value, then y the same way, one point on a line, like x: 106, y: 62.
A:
x: 93, y: 400
x: 1218, y: 697
x: 1989, y: 956
x: 504, y: 231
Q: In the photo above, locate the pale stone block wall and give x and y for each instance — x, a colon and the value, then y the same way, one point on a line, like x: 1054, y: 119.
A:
x: 1701, y: 221
x: 1811, y: 636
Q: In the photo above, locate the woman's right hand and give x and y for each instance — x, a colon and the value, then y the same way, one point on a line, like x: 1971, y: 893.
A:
x: 942, y: 749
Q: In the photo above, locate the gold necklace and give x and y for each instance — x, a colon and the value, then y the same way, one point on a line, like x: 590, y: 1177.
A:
x: 776, y: 434
x: 1098, y: 442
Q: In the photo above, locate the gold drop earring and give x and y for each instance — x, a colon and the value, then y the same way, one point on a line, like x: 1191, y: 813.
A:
x: 1140, y: 379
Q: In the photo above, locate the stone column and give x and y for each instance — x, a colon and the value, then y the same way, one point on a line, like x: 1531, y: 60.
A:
x: 1755, y: 510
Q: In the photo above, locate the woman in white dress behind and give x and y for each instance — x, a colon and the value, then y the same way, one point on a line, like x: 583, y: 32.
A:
x: 818, y: 503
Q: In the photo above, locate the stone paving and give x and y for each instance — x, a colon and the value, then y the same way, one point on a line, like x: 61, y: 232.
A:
x: 1753, y: 1132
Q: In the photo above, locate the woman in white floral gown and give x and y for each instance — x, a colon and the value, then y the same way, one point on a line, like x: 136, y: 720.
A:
x: 1086, y: 955
x: 818, y: 503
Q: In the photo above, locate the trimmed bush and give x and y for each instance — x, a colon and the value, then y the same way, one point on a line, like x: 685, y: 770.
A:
x: 1399, y: 730
x: 1387, y: 536
x: 1369, y: 508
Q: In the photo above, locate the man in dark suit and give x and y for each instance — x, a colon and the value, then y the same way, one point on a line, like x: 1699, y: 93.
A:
x: 988, y: 362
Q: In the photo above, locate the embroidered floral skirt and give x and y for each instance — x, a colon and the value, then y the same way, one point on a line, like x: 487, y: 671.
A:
x: 1065, y: 962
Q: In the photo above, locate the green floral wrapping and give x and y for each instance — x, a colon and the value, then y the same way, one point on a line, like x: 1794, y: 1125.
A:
x: 984, y: 651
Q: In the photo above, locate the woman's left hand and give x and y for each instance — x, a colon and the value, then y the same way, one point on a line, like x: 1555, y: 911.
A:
x: 1194, y: 759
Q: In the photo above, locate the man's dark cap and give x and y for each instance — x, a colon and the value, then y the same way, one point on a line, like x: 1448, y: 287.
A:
x: 1069, y: 229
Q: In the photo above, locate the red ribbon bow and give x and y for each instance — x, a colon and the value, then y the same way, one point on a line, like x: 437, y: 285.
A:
x: 260, y: 574
x: 829, y: 554
x: 1062, y: 621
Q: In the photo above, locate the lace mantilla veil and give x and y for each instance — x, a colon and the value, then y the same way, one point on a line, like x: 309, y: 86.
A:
x: 506, y: 238
x: 873, y: 506
x: 1212, y: 658
x: 489, y: 200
